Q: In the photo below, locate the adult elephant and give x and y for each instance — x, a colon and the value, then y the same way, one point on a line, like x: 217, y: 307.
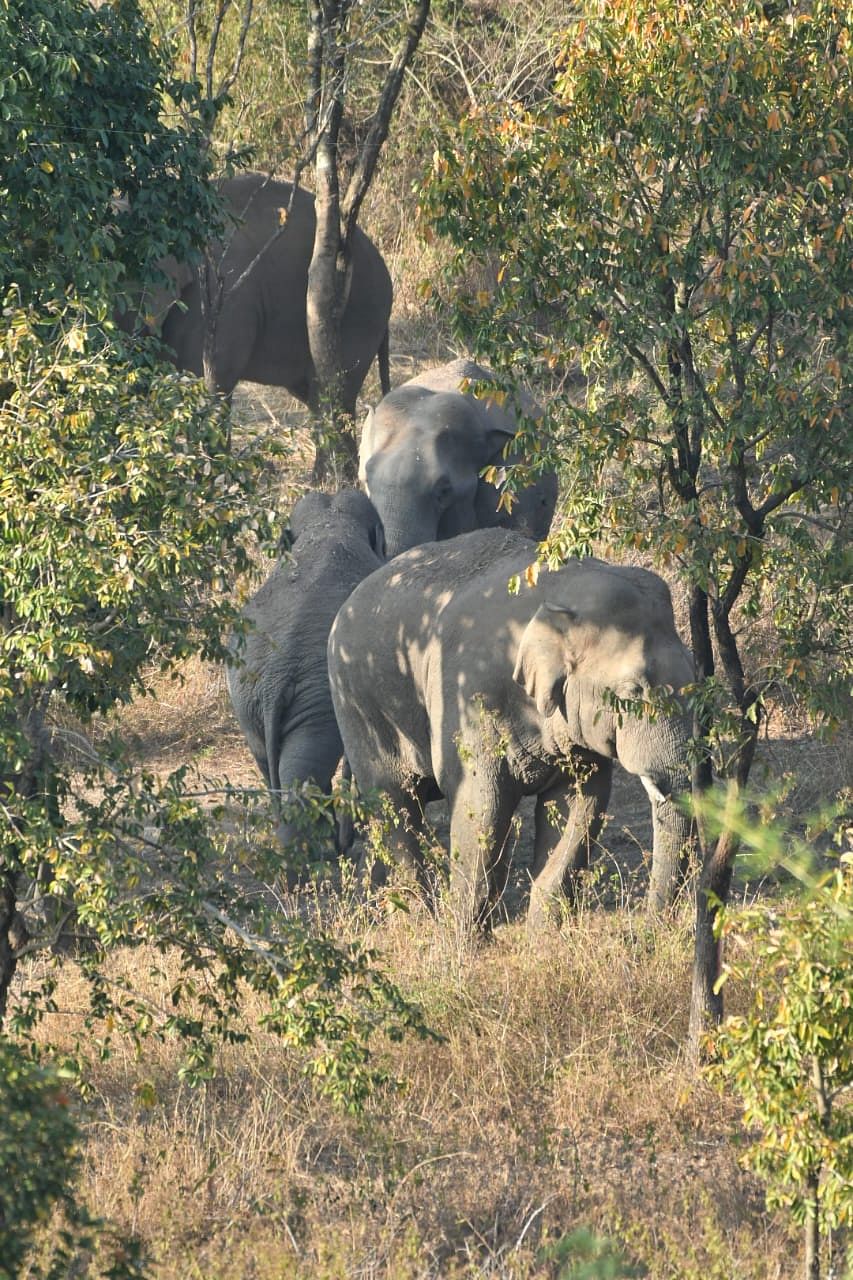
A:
x: 278, y: 682
x: 262, y: 331
x: 422, y: 450
x: 444, y: 682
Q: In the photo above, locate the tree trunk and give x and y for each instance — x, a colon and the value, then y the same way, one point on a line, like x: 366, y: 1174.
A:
x: 706, y: 1004
x: 328, y: 286
x: 211, y: 296
x: 812, y: 1226
x: 8, y: 960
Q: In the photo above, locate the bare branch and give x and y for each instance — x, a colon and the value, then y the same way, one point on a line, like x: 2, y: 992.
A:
x: 229, y: 79
x: 378, y: 131
x: 224, y: 6
x: 192, y: 8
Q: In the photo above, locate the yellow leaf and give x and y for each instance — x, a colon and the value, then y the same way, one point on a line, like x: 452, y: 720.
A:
x: 47, y: 166
x: 531, y: 574
x: 482, y: 297
x: 774, y: 121
x: 282, y: 217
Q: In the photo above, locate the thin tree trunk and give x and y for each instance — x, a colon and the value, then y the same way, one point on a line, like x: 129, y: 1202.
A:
x: 703, y: 657
x: 211, y: 296
x: 824, y: 1113
x: 8, y: 960
x: 329, y: 48
x: 706, y: 1004
x: 328, y: 271
x: 812, y: 1226
x: 327, y: 292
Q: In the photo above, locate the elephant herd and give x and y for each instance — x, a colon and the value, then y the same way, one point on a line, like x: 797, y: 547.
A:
x: 387, y: 632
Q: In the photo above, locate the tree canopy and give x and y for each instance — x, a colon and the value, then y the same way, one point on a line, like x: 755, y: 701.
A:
x: 675, y: 218
x: 81, y: 129
x: 126, y: 515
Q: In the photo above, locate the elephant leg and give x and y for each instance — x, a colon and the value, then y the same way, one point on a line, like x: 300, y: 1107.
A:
x: 256, y: 745
x: 235, y: 343
x: 308, y: 754
x: 568, y: 819
x: 480, y: 817
x: 404, y: 837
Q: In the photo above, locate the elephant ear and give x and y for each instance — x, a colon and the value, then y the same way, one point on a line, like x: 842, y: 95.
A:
x: 544, y: 659
x: 498, y: 429
x: 158, y: 299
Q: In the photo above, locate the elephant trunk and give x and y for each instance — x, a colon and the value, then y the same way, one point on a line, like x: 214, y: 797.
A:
x: 404, y: 530
x: 672, y: 832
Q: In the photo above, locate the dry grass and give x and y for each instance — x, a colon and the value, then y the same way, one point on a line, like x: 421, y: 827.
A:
x: 557, y: 1097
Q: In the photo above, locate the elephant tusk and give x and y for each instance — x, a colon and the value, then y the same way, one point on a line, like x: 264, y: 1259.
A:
x: 653, y: 791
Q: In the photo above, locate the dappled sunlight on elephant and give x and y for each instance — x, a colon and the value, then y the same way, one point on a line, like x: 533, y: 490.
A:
x: 444, y: 680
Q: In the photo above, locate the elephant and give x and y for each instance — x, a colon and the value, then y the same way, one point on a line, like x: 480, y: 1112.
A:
x: 262, y: 332
x: 278, y: 681
x: 422, y: 450
x: 446, y: 684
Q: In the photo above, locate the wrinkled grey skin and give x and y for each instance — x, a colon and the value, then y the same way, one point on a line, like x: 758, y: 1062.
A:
x: 444, y: 682
x: 281, y: 692
x: 422, y: 450
x: 262, y: 333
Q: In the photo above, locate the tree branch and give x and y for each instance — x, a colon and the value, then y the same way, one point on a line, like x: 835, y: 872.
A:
x: 229, y: 79
x: 378, y: 131
x: 219, y: 17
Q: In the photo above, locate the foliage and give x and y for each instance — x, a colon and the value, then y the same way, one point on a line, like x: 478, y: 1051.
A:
x: 581, y: 1255
x: 125, y: 514
x: 790, y: 1056
x: 675, y: 219
x: 74, y: 136
x: 40, y: 1156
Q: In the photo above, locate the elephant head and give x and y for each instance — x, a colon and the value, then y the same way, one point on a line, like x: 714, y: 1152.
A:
x: 598, y: 683
x: 322, y: 510
x: 422, y: 454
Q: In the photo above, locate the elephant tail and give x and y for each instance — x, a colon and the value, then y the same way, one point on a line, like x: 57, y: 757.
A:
x: 275, y: 718
x: 383, y: 359
x: 345, y: 824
